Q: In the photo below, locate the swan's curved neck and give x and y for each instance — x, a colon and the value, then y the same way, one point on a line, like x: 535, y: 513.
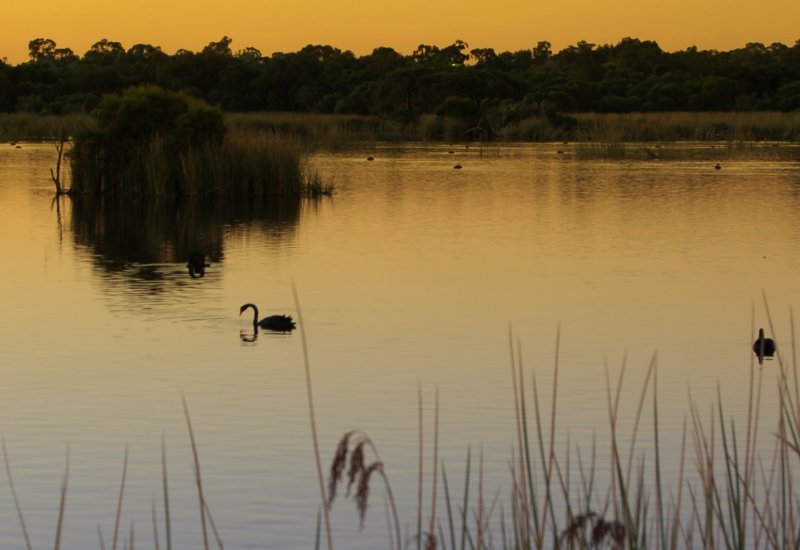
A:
x: 255, y: 312
x: 255, y: 315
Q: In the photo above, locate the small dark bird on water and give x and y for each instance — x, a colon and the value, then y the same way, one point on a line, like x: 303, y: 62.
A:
x: 763, y: 347
x: 718, y: 166
x: 197, y: 265
x: 277, y: 323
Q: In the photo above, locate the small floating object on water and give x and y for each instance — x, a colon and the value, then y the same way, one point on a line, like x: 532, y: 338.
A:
x: 19, y: 147
x: 763, y: 347
x: 276, y: 323
x: 718, y: 166
x: 457, y: 167
x: 197, y: 265
x: 370, y: 158
x: 13, y: 143
x: 559, y: 152
x: 450, y: 152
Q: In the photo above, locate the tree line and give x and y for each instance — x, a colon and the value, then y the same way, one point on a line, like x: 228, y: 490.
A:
x: 454, y: 81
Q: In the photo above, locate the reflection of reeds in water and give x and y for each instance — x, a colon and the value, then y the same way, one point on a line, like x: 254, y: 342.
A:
x: 169, y: 230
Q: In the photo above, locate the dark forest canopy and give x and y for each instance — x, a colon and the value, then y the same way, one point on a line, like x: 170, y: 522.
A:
x: 453, y: 80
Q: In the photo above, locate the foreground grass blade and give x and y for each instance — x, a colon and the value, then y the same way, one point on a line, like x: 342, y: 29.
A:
x: 119, y: 500
x: 197, y: 477
x: 167, y: 523
x: 14, y: 496
x: 306, y: 363
x: 62, y: 505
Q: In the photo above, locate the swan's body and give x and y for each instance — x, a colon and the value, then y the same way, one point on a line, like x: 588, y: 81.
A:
x: 197, y: 265
x: 763, y: 347
x: 278, y: 323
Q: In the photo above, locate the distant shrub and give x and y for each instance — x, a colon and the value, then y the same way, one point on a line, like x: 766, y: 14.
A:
x: 149, y: 141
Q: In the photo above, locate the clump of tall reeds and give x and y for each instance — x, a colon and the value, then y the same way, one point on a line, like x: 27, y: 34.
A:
x: 695, y: 126
x: 36, y: 127
x: 313, y: 130
x: 149, y: 142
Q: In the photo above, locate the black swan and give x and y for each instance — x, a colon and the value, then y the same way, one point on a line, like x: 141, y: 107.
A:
x: 197, y: 265
x: 278, y: 323
x: 763, y: 347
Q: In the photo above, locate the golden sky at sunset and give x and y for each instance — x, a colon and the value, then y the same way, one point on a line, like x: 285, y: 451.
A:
x: 288, y: 25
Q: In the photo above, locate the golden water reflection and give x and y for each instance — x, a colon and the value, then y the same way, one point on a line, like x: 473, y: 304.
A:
x: 412, y: 276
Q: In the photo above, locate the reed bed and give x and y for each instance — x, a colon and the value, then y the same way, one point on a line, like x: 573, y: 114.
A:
x: 246, y: 164
x: 724, y: 494
x: 340, y: 131
x: 693, y: 126
x: 34, y: 127
x: 314, y: 130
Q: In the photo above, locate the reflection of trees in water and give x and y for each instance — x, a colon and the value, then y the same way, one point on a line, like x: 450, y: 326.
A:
x: 125, y: 233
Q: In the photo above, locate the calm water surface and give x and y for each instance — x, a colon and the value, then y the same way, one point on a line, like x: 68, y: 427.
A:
x: 409, y: 280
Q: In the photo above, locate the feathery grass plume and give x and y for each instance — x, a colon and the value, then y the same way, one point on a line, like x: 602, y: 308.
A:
x: 592, y: 528
x: 362, y: 491
x: 359, y: 474
x: 337, y: 467
x: 14, y: 495
x: 356, y: 469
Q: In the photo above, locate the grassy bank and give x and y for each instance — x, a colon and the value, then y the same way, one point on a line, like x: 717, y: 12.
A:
x: 31, y: 127
x: 337, y: 131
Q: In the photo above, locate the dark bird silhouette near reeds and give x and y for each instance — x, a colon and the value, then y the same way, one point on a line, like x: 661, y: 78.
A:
x: 276, y: 323
x: 763, y: 347
x: 718, y: 166
x: 197, y: 265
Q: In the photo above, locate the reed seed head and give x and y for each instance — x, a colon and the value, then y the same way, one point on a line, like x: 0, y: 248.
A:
x: 337, y: 466
x: 362, y: 491
x: 356, y: 466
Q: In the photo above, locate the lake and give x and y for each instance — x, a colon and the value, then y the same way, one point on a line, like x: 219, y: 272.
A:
x: 412, y: 279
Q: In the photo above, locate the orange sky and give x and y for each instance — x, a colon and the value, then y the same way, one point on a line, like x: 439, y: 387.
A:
x: 287, y: 25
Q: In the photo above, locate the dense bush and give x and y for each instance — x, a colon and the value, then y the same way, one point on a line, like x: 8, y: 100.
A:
x: 151, y: 142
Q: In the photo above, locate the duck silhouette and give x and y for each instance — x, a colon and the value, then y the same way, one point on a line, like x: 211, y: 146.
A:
x: 197, y: 265
x: 276, y: 323
x: 763, y: 347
